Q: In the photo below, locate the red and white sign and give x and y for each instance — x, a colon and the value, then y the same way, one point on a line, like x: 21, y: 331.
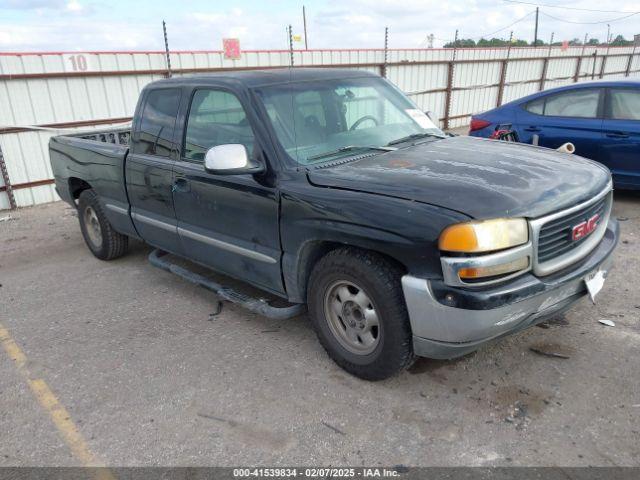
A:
x: 231, y: 48
x: 585, y: 228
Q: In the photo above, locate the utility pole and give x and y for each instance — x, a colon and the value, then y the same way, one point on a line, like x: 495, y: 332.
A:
x: 535, y: 34
x: 608, y: 33
x: 304, y: 22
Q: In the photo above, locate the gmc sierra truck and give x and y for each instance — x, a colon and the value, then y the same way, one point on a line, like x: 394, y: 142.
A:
x: 331, y: 189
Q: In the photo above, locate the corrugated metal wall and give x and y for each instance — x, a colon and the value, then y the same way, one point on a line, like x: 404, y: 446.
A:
x: 69, y: 91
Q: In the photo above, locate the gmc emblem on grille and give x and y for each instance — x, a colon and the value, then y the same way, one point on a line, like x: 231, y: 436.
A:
x: 585, y: 228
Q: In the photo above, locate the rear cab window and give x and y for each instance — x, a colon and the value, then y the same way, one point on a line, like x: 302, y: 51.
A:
x: 157, y: 122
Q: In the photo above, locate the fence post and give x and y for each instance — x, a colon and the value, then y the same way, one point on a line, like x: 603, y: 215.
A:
x: 544, y: 74
x: 290, y: 34
x: 630, y: 62
x: 386, y: 52
x: 166, y: 49
x: 602, y: 65
x: 503, y: 76
x: 449, y: 91
x: 604, y: 59
x: 545, y: 65
x: 503, y: 72
x: 576, y: 76
x: 7, y: 182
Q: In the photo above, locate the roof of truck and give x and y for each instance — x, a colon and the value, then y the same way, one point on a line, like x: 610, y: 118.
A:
x: 255, y: 78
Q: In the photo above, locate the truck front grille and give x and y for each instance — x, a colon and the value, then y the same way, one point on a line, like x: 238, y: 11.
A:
x: 554, y: 246
x: 555, y: 236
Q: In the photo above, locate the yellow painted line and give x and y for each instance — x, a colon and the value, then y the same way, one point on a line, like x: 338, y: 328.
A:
x: 58, y: 414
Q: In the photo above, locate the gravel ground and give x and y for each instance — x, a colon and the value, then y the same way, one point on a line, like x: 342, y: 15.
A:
x: 148, y: 379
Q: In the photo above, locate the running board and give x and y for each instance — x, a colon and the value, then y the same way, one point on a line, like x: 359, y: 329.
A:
x: 256, y: 305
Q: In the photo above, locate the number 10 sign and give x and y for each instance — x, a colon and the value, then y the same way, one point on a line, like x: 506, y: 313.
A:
x: 77, y: 62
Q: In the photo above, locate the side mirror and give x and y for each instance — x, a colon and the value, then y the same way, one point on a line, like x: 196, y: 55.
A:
x: 230, y: 159
x: 431, y: 116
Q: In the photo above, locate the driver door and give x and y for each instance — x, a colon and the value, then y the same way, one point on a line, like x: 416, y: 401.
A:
x: 227, y: 222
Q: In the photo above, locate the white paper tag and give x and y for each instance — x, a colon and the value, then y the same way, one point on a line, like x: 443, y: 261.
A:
x: 594, y: 282
x: 420, y: 118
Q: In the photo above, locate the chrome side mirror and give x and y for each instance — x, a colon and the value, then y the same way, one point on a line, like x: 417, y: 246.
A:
x: 230, y: 159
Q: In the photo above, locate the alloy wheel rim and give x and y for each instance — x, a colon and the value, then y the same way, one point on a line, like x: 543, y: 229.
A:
x: 94, y: 231
x: 352, y: 317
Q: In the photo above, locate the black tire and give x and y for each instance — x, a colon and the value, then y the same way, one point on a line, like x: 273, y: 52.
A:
x: 379, y: 279
x: 103, y: 241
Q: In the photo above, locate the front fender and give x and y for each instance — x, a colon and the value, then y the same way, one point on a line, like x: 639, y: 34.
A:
x: 316, y: 219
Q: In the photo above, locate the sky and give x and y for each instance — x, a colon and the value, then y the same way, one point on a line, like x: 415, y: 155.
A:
x: 90, y: 25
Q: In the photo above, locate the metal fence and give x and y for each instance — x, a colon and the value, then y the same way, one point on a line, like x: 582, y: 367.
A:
x: 43, y: 94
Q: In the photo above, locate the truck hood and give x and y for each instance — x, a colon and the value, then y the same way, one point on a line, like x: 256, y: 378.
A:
x: 478, y: 177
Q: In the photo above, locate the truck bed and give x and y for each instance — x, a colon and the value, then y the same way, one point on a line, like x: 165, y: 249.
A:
x: 96, y: 159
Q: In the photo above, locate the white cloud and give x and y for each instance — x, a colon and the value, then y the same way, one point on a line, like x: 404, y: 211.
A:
x: 335, y: 24
x: 74, y: 6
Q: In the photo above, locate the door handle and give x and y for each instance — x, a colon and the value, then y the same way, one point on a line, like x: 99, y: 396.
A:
x: 617, y: 135
x: 181, y: 185
x: 532, y: 129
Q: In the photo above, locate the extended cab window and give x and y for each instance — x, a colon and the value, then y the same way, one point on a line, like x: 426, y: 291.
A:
x: 624, y: 104
x: 155, y: 136
x: 215, y: 118
x: 582, y: 103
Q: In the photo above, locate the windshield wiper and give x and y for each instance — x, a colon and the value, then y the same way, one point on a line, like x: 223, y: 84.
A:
x: 414, y: 136
x: 350, y: 148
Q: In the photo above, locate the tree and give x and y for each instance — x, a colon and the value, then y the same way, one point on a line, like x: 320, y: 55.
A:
x: 461, y: 43
x: 620, y: 41
x: 593, y: 41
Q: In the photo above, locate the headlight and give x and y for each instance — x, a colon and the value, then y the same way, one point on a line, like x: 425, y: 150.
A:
x: 484, y: 236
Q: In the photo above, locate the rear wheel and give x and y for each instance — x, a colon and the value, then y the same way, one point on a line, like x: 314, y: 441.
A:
x: 103, y: 241
x: 358, y: 311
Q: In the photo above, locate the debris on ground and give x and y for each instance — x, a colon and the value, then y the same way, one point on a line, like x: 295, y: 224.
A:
x: 216, y: 312
x: 608, y: 323
x: 331, y: 427
x: 553, y: 350
x: 7, y: 218
x: 548, y: 354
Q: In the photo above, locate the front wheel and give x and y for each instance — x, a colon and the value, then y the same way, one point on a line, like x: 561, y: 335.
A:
x: 103, y: 241
x: 358, y: 311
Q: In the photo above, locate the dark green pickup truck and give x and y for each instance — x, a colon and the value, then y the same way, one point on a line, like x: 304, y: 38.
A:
x: 330, y: 189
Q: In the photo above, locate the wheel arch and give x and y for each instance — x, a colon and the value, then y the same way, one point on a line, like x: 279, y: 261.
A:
x: 297, y: 267
x: 77, y: 186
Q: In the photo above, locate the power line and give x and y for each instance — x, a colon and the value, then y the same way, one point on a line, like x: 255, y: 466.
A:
x: 589, y: 23
x: 567, y: 8
x: 478, y: 37
x: 503, y: 28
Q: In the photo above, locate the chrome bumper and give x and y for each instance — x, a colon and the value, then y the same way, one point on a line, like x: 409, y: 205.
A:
x: 442, y: 331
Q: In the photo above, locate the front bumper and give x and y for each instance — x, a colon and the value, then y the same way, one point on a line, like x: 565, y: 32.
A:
x: 469, y: 318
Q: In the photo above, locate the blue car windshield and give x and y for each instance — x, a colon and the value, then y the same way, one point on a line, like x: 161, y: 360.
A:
x: 320, y: 121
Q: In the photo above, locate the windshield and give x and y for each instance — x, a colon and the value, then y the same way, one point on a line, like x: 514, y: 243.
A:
x: 320, y: 121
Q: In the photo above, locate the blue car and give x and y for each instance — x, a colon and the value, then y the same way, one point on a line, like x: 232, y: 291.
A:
x: 602, y: 120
